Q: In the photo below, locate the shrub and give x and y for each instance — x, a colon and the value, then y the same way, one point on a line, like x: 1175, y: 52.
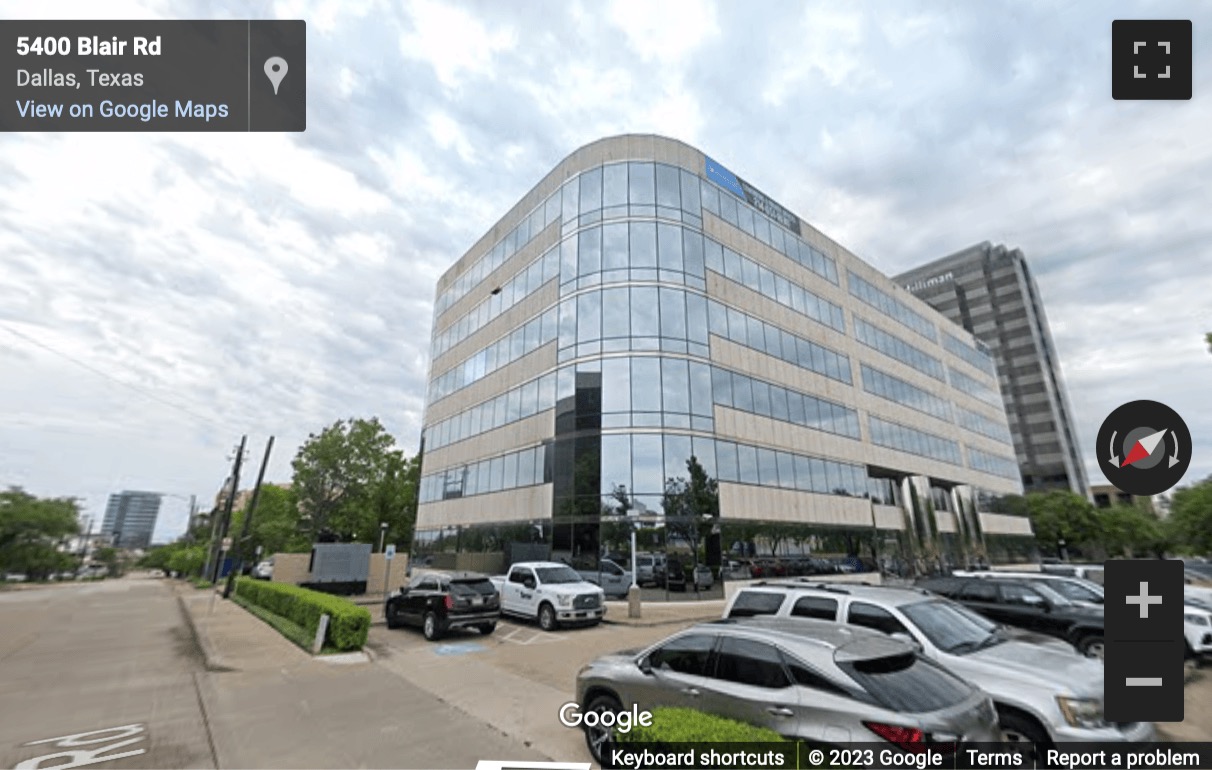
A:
x: 681, y: 725
x: 348, y: 624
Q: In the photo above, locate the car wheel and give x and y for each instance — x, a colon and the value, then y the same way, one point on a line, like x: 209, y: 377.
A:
x: 390, y: 614
x: 547, y: 618
x: 598, y: 739
x: 1091, y: 647
x: 487, y: 628
x: 1017, y: 728
x: 432, y: 628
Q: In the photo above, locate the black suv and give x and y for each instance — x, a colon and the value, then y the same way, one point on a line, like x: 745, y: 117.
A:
x: 438, y: 602
x: 1028, y: 605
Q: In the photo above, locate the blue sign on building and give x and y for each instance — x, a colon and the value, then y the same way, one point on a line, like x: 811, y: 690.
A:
x: 725, y: 178
x: 751, y: 195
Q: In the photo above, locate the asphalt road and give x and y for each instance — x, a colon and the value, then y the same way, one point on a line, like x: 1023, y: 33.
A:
x: 112, y: 656
x: 121, y: 654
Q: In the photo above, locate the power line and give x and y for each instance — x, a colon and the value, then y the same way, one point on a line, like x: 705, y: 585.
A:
x: 135, y: 388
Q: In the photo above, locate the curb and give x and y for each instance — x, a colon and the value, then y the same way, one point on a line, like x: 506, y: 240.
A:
x: 210, y: 660
x: 652, y: 623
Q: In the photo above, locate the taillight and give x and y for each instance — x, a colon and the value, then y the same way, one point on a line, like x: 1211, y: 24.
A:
x: 449, y: 602
x: 907, y: 738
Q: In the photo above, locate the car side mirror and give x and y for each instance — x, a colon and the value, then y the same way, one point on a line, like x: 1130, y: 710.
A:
x: 645, y: 665
x: 529, y: 583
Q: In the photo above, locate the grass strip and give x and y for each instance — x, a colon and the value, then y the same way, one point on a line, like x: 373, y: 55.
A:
x: 288, y: 628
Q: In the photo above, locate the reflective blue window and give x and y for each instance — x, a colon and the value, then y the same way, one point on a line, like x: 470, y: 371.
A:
x: 890, y: 306
x: 641, y: 183
x: 643, y: 244
x: 894, y: 436
x: 726, y: 461
x: 894, y: 347
x: 1005, y: 467
x: 973, y: 387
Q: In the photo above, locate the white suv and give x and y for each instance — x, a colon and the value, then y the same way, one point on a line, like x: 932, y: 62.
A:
x: 1045, y: 692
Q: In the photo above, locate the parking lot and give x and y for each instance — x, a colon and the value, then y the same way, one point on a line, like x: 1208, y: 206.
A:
x: 530, y: 673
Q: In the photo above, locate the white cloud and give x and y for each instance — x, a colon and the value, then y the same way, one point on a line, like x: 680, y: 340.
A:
x: 270, y: 284
x: 665, y: 31
x: 454, y: 41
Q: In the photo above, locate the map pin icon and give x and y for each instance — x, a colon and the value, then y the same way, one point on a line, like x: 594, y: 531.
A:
x: 275, y: 70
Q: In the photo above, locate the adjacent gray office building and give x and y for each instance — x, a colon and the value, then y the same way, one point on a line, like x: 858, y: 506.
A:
x: 647, y: 345
x: 990, y: 292
x: 130, y: 518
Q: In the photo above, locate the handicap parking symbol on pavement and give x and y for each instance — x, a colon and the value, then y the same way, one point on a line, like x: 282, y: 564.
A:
x: 458, y: 649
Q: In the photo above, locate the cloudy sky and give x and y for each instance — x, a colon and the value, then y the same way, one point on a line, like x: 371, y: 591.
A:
x: 161, y: 295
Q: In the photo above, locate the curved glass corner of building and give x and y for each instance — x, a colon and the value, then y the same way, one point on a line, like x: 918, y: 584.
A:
x: 661, y: 401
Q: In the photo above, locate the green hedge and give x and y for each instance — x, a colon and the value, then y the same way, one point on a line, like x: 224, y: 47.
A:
x: 348, y: 624
x: 680, y: 725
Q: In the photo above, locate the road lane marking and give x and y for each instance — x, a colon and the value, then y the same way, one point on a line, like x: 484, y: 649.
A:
x: 134, y: 733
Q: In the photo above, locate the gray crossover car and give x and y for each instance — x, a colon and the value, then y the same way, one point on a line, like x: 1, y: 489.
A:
x: 809, y: 680
x: 1044, y: 691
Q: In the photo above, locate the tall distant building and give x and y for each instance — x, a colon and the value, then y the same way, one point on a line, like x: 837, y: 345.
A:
x: 642, y: 307
x: 130, y: 518
x: 989, y: 291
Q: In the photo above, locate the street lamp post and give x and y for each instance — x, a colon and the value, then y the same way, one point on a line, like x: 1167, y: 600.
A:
x: 382, y: 535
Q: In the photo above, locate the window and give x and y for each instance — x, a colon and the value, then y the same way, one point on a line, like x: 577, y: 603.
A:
x: 815, y: 607
x: 641, y: 183
x: 908, y: 683
x: 806, y: 677
x: 870, y: 616
x: 1020, y: 595
x: 520, y: 576
x: 751, y: 603
x: 428, y: 583
x: 746, y: 661
x: 685, y: 655
x: 979, y: 591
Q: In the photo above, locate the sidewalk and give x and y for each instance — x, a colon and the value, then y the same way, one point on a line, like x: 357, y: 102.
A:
x: 664, y: 613
x: 232, y: 639
x: 269, y: 704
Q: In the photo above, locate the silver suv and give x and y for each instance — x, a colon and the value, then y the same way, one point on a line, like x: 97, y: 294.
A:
x: 1044, y: 691
x: 814, y: 681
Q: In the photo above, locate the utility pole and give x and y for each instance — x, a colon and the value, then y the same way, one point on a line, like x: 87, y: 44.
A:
x: 231, y: 500
x: 240, y: 544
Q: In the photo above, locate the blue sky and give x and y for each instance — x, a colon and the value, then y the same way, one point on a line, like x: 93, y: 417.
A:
x: 164, y: 294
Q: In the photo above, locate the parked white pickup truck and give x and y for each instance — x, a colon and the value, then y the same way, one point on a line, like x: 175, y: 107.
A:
x: 554, y: 594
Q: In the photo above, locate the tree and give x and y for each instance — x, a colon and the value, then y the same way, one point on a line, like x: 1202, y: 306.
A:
x: 1062, y: 515
x: 1208, y: 339
x: 687, y: 502
x: 275, y: 523
x: 394, y: 497
x: 1127, y: 530
x: 30, y: 530
x: 110, y: 558
x: 338, y: 474
x: 1190, y: 521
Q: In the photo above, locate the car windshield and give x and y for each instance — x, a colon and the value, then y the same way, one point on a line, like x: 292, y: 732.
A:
x: 952, y: 628
x: 558, y: 575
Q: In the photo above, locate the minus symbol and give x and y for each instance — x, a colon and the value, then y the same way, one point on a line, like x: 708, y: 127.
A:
x: 1143, y: 681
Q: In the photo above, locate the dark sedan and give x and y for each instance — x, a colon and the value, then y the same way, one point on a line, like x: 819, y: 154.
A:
x: 1027, y: 605
x: 438, y: 602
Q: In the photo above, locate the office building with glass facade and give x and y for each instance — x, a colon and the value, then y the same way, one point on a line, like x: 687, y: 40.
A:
x: 130, y: 518
x: 990, y: 292
x: 648, y: 346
